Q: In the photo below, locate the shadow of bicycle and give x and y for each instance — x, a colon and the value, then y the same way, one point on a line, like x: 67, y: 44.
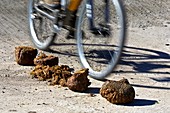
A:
x: 144, y: 60
x: 64, y: 50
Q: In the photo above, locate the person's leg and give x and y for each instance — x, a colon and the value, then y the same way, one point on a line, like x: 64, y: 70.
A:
x: 51, y: 1
x: 54, y: 4
x: 69, y: 23
x: 71, y: 17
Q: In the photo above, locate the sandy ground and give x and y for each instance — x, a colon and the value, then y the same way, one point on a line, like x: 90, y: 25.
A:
x: 145, y: 63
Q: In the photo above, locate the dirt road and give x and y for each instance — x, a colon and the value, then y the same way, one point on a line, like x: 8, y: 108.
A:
x: 145, y: 63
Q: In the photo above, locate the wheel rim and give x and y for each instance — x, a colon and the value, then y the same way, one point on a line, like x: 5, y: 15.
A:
x: 40, y: 27
x: 102, y: 54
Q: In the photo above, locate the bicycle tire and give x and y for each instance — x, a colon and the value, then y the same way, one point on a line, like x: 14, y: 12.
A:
x: 40, y: 28
x: 91, y: 56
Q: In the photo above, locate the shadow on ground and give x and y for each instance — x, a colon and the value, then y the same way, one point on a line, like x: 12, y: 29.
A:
x: 151, y: 87
x: 142, y: 102
x: 142, y: 60
x: 93, y: 90
x: 136, y: 102
x: 145, y: 60
x: 164, y: 79
x: 64, y: 52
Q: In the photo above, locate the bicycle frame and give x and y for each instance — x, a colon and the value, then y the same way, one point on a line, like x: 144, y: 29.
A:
x: 89, y: 13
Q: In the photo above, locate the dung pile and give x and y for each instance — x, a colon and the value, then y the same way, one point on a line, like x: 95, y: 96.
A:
x: 61, y: 75
x: 79, y: 81
x: 43, y: 59
x: 118, y: 92
x: 55, y: 75
x: 25, y: 55
x: 47, y: 68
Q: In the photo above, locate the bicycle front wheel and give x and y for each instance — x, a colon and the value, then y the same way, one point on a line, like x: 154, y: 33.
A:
x: 40, y: 27
x: 100, y: 48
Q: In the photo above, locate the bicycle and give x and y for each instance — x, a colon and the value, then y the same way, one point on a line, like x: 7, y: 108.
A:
x: 100, y: 36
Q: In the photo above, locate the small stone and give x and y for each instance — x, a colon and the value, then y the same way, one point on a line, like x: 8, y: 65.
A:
x: 12, y: 110
x: 167, y: 44
x: 92, y: 95
x: 32, y: 112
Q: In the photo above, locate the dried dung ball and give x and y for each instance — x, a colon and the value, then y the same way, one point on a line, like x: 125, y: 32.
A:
x: 79, y: 81
x: 25, y: 55
x: 41, y: 72
x: 118, y: 92
x: 60, y: 75
x: 56, y: 75
x: 43, y: 59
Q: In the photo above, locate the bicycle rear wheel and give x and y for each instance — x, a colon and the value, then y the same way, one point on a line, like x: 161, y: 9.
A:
x: 100, y: 52
x: 40, y: 27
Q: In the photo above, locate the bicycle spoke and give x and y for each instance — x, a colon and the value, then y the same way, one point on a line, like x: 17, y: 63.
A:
x: 101, y: 49
x: 41, y: 28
